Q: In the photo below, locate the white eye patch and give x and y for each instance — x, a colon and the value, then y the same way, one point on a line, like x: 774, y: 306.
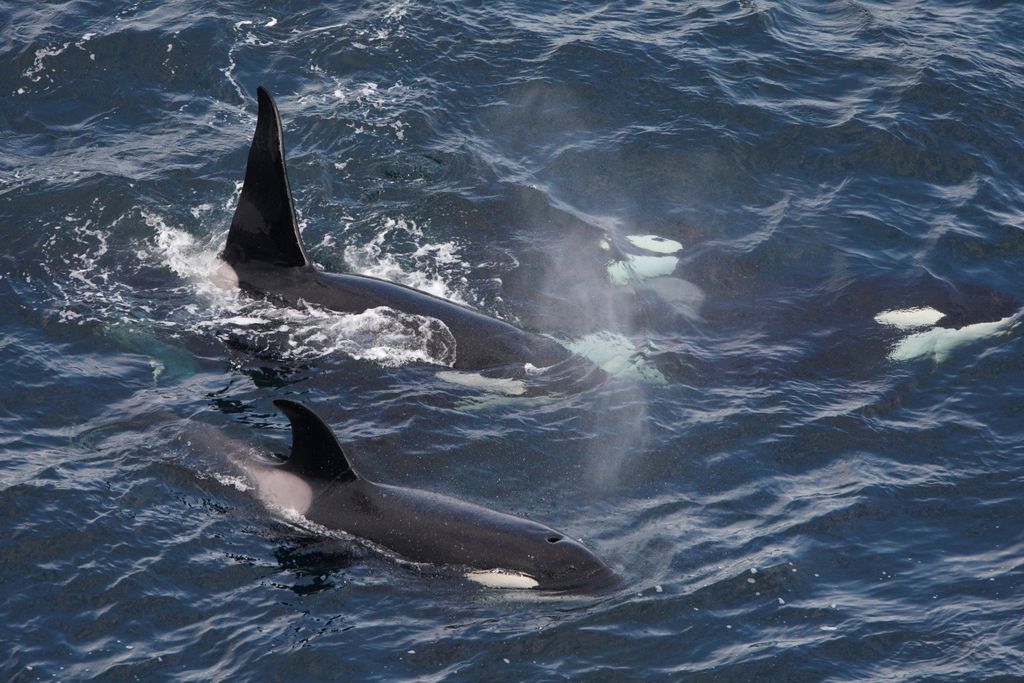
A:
x: 502, y: 578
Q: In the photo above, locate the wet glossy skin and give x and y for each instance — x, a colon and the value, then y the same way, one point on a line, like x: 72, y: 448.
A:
x: 265, y: 250
x: 319, y: 482
x: 481, y: 341
x: 431, y: 528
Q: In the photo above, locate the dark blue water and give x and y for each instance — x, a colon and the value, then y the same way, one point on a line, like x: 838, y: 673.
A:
x: 714, y: 200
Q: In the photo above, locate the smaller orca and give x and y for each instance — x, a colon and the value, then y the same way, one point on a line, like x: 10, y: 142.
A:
x: 266, y: 255
x: 493, y: 548
x: 934, y: 334
x: 938, y: 317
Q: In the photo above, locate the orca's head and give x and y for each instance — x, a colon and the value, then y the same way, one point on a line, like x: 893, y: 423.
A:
x: 541, y: 558
x: 564, y: 565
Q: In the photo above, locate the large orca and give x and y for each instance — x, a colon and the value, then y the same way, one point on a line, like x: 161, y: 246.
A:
x: 492, y: 548
x: 266, y: 253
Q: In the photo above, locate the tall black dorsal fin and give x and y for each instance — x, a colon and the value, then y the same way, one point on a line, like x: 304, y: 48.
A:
x: 316, y: 452
x: 264, y: 226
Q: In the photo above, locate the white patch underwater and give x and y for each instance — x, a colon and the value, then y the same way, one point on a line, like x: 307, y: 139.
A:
x: 617, y: 355
x: 474, y: 380
x: 636, y: 268
x: 909, y: 318
x: 684, y: 296
x: 939, y: 342
x: 654, y: 272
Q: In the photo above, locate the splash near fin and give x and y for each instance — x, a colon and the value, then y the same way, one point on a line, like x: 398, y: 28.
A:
x: 315, y: 450
x: 264, y: 226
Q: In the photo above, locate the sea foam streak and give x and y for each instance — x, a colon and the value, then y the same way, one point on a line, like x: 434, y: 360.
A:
x: 381, y: 335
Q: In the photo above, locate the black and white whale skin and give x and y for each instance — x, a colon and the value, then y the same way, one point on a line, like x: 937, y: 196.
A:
x: 492, y: 548
x: 266, y: 253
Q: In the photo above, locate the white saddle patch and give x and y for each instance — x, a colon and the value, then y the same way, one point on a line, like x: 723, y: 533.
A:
x: 281, y: 489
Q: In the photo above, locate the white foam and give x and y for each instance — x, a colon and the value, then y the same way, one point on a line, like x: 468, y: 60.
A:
x: 397, y: 11
x: 376, y: 108
x: 381, y: 335
x: 502, y: 578
x: 655, y: 243
x: 85, y: 288
x: 235, y: 482
x: 35, y: 72
x: 195, y: 261
x: 909, y: 318
x: 372, y: 259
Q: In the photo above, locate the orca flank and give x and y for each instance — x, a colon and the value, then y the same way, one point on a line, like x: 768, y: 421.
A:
x: 264, y: 248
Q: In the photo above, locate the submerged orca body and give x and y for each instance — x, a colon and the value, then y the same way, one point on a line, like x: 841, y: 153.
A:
x: 493, y: 548
x: 265, y: 251
x: 925, y: 317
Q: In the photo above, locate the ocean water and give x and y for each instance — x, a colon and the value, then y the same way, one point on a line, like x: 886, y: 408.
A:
x: 752, y: 214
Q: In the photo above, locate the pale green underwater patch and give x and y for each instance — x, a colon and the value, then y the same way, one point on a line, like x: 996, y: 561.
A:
x: 617, y: 355
x: 940, y: 342
x: 474, y: 380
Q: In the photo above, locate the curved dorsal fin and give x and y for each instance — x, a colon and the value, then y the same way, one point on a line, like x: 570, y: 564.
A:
x: 315, y: 450
x: 264, y: 226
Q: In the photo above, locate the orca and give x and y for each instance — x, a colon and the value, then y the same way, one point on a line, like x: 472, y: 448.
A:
x: 265, y: 251
x: 934, y: 317
x: 491, y: 548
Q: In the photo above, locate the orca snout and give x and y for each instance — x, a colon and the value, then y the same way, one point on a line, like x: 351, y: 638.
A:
x: 576, y: 569
x: 595, y: 580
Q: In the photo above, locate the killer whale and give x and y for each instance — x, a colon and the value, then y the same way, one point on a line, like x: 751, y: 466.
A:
x: 265, y: 252
x: 492, y: 548
x: 929, y: 317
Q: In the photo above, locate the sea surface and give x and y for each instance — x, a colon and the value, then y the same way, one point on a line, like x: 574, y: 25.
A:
x: 751, y: 214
